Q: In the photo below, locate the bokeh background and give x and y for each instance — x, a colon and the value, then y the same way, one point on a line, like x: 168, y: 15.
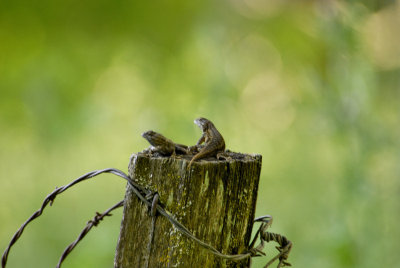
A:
x: 313, y: 86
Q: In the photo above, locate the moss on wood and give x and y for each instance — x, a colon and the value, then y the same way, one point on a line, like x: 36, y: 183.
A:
x: 215, y: 200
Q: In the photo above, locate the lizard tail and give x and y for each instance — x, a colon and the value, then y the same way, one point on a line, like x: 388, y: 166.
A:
x: 191, y: 161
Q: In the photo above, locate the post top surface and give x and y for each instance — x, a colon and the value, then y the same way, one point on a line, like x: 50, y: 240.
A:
x: 227, y: 157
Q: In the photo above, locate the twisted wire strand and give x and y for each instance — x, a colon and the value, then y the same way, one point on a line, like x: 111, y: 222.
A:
x: 285, y: 245
x: 284, y: 249
x: 50, y: 199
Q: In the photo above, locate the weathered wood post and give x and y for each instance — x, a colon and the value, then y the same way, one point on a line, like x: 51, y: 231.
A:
x: 215, y: 200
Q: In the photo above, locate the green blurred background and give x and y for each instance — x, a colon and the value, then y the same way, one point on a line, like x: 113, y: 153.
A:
x: 313, y: 86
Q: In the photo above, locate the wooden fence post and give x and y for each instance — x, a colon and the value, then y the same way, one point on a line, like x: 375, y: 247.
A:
x: 215, y: 200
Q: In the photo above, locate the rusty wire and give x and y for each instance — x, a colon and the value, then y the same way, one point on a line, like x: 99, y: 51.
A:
x: 284, y: 249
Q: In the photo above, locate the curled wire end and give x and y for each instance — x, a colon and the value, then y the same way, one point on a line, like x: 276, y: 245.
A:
x: 266, y: 218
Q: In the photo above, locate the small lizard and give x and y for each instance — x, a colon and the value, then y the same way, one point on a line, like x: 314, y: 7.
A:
x: 162, y: 145
x: 213, y: 141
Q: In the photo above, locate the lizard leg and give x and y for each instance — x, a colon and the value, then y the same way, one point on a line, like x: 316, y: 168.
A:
x: 202, y: 139
x: 223, y: 156
x: 191, y: 161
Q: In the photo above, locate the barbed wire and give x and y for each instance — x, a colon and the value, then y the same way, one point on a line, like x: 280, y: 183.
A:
x: 94, y: 222
x: 285, y: 244
x: 142, y: 193
x: 50, y: 200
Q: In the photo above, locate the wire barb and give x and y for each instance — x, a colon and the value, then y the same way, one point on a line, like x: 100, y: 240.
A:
x: 94, y: 222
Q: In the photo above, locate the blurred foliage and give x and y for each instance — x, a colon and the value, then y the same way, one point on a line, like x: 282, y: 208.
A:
x: 313, y: 86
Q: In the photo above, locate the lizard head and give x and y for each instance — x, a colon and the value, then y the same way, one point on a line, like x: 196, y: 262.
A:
x: 202, y: 123
x: 148, y: 135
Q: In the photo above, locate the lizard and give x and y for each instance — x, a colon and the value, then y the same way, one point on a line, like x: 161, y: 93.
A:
x: 213, y: 141
x: 163, y: 145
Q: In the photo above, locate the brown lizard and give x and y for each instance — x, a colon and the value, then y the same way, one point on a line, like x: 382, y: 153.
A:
x: 213, y: 141
x: 162, y: 145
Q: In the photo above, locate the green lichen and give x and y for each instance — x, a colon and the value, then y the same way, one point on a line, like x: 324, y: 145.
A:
x: 197, y: 198
x: 170, y: 199
x: 205, y: 184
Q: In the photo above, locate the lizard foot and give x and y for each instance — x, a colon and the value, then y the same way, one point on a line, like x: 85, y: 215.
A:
x: 224, y: 156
